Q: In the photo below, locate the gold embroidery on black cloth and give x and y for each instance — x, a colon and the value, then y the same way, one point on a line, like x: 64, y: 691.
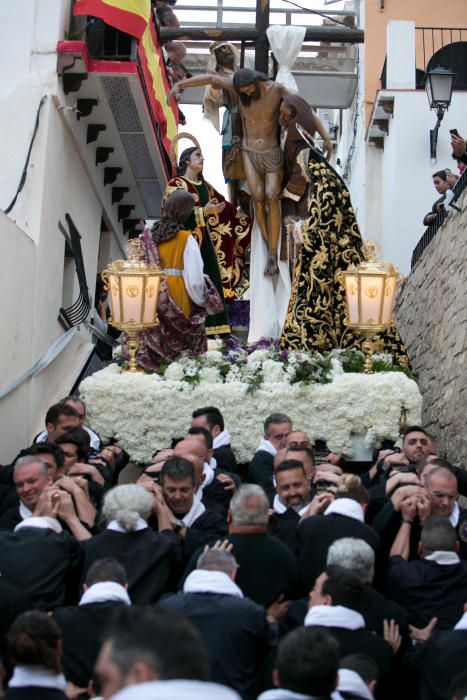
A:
x: 331, y: 242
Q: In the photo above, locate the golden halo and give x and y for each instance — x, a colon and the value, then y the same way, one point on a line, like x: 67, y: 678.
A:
x: 175, y: 140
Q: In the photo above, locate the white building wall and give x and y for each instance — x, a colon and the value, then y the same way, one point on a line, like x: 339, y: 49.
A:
x: 374, y: 195
x: 33, y: 247
x: 406, y: 169
x: 351, y: 148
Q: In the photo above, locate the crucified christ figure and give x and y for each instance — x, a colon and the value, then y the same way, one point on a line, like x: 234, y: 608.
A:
x: 262, y: 158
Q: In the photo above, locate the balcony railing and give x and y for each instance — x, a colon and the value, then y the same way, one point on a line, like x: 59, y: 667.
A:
x: 438, y: 46
x: 433, y: 229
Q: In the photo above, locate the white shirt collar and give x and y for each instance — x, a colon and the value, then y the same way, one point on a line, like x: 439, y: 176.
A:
x: 41, y: 522
x: 280, y: 508
x: 195, y: 511
x: 462, y: 624
x: 267, y: 447
x: 36, y: 676
x: 116, y: 527
x: 176, y: 690
x: 347, y: 507
x: 334, y: 616
x: 222, y: 439
x: 203, y: 581
x: 455, y: 513
x: 351, y: 682
x: 24, y: 511
x: 443, y: 558
x: 105, y: 591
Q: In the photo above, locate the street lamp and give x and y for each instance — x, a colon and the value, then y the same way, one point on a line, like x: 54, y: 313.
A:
x: 133, y: 288
x: 438, y: 85
x: 370, y: 289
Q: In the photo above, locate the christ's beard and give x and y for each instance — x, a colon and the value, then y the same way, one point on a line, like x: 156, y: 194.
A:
x: 256, y: 94
x: 248, y: 99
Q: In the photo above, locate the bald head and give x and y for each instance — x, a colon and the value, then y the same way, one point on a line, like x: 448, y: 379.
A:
x: 297, y: 438
x: 195, y: 451
x: 441, y: 486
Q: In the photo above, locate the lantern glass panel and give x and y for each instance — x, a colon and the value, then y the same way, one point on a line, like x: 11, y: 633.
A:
x: 441, y: 87
x: 351, y: 290
x: 388, y: 301
x: 132, y: 294
x: 114, y: 299
x: 371, y: 292
x: 152, y: 292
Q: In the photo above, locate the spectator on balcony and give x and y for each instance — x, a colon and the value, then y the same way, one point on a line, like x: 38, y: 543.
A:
x: 174, y: 52
x: 443, y: 180
x: 176, y: 72
x: 166, y: 17
x: 459, y: 150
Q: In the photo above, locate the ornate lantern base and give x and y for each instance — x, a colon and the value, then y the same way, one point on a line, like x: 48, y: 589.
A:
x: 133, y: 347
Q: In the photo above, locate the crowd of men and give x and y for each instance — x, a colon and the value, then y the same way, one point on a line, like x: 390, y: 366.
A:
x: 195, y: 577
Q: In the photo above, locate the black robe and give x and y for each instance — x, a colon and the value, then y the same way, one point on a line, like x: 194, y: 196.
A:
x: 362, y: 641
x: 267, y: 569
x: 225, y: 458
x: 216, y: 498
x: 82, y: 628
x: 42, y: 564
x: 150, y: 559
x: 261, y: 472
x: 284, y: 526
x: 235, y: 632
x: 316, y: 535
x: 375, y: 608
x: 442, y: 658
x: 34, y: 693
x: 427, y: 589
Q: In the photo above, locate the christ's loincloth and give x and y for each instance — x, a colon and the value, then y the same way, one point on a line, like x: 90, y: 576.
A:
x: 266, y: 161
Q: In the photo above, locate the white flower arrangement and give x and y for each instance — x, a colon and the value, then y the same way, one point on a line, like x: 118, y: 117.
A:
x: 319, y: 393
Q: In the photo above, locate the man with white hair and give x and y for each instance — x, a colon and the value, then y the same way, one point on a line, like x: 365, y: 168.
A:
x: 235, y: 630
x: 33, y: 481
x: 39, y: 557
x: 151, y: 559
x: 356, y: 555
x: 258, y: 553
x: 259, y: 575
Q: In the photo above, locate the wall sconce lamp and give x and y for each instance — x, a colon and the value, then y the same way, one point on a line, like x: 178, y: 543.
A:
x: 438, y: 85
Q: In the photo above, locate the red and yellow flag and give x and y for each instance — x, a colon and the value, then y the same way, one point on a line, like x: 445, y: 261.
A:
x: 130, y: 16
x: 134, y: 17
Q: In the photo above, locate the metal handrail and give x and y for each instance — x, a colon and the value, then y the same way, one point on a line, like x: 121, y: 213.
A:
x: 79, y: 310
x: 434, y: 227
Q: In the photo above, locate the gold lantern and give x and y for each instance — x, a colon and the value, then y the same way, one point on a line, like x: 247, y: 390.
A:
x: 370, y: 290
x: 133, y: 287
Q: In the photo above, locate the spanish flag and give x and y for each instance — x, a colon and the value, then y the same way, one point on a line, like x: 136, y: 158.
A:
x: 134, y: 17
